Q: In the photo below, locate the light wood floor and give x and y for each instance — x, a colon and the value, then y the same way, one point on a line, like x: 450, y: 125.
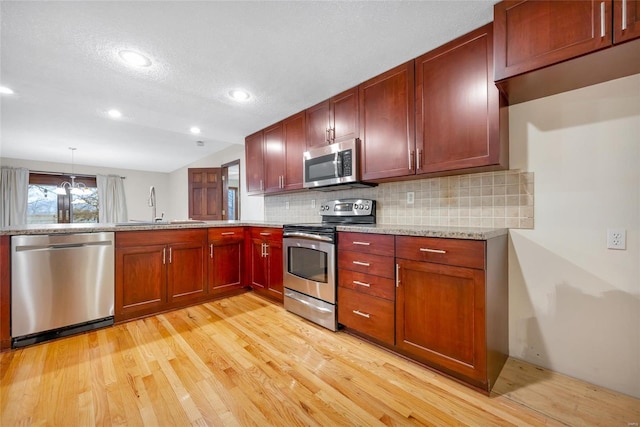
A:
x: 244, y: 361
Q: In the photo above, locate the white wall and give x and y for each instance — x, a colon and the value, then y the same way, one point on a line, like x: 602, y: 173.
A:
x: 136, y: 184
x: 575, y: 305
x: 251, y: 207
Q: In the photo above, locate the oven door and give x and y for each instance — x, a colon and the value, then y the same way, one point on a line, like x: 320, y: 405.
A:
x: 310, y: 268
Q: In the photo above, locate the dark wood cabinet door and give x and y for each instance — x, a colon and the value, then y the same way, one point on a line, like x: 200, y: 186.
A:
x: 186, y: 271
x: 275, y: 269
x: 295, y: 145
x: 226, y: 265
x: 141, y: 280
x: 387, y: 124
x: 440, y: 312
x: 344, y: 116
x: 534, y: 34
x: 458, y: 106
x: 259, y: 278
x: 318, y: 125
x: 273, y: 159
x: 205, y: 193
x: 253, y: 145
x: 626, y: 20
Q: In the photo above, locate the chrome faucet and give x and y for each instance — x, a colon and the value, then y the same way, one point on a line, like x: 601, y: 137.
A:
x: 152, y: 205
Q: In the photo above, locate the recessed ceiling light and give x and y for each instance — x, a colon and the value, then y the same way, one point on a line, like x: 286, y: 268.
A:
x: 114, y: 114
x: 134, y: 58
x: 239, y: 95
x: 5, y: 90
x: 195, y: 129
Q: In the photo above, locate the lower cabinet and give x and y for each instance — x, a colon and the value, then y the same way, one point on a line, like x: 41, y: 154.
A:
x: 158, y: 270
x: 266, y: 262
x: 444, y: 303
x: 226, y: 271
x: 5, y: 292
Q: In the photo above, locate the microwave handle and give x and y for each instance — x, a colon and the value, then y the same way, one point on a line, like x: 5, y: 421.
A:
x: 338, y: 165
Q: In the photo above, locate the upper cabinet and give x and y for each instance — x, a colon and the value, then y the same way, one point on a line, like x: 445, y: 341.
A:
x: 294, y: 147
x: 626, y: 20
x: 254, y: 152
x: 461, y: 120
x: 273, y: 158
x: 333, y: 120
x: 570, y: 44
x: 387, y: 124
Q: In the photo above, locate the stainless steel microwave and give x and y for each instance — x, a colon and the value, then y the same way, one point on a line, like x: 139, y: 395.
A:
x: 332, y: 165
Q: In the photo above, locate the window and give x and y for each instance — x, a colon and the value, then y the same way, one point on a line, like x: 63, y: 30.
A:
x: 47, y: 207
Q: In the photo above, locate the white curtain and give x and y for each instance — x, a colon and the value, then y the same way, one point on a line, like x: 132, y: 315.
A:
x: 111, y: 199
x: 14, y: 192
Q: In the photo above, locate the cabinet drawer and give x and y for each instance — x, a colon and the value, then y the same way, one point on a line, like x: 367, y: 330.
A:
x: 365, y: 263
x: 464, y: 253
x: 377, y: 244
x: 367, y: 314
x: 216, y: 234
x: 266, y: 233
x: 369, y: 284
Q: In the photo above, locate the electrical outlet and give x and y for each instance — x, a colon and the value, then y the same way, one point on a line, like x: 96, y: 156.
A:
x: 616, y: 238
x: 286, y: 205
x: 313, y: 203
x: 410, y: 197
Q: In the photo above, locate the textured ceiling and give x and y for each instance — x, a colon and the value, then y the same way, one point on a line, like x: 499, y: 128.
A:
x: 61, y: 60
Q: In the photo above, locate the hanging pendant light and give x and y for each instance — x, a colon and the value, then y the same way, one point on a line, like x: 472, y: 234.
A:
x: 75, y: 188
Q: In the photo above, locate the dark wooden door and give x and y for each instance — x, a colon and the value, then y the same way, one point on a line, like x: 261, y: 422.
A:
x: 273, y: 158
x: 440, y: 316
x: 387, y: 122
x: 186, y: 271
x: 626, y: 20
x: 343, y: 117
x: 533, y: 34
x: 275, y: 269
x: 294, y: 146
x: 226, y: 265
x: 5, y: 292
x: 205, y: 193
x: 318, y: 124
x: 141, y: 280
x: 253, y: 145
x: 457, y: 106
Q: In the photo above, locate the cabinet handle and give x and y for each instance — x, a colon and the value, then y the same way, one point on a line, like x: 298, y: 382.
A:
x: 327, y: 138
x: 265, y: 234
x: 332, y: 135
x: 624, y: 15
x: 366, y: 264
x: 164, y: 256
x: 261, y: 185
x: 603, y: 23
x: 397, y: 275
x: 433, y: 251
x: 228, y: 233
x: 359, y: 313
x: 211, y: 250
x: 418, y: 158
x: 362, y: 243
x: 170, y: 253
x: 411, y: 154
x: 366, y: 285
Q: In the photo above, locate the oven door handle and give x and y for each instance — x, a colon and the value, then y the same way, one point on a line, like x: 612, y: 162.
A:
x: 308, y: 304
x: 307, y: 236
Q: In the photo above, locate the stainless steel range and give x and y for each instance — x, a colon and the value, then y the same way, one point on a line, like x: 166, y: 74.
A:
x: 310, y: 259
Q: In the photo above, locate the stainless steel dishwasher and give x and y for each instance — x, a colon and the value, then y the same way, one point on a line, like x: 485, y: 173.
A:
x: 60, y: 284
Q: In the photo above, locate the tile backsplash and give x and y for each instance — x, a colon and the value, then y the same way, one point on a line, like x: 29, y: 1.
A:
x: 492, y: 199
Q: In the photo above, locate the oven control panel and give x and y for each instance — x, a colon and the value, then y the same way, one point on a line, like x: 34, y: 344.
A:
x: 348, y: 207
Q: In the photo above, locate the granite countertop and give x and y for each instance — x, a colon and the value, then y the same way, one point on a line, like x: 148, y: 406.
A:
x: 132, y: 226
x: 470, y: 233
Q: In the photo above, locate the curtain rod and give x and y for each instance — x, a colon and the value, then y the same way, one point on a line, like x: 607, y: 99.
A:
x: 78, y: 175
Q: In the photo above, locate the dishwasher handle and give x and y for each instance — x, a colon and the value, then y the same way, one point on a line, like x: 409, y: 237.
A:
x: 58, y: 246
